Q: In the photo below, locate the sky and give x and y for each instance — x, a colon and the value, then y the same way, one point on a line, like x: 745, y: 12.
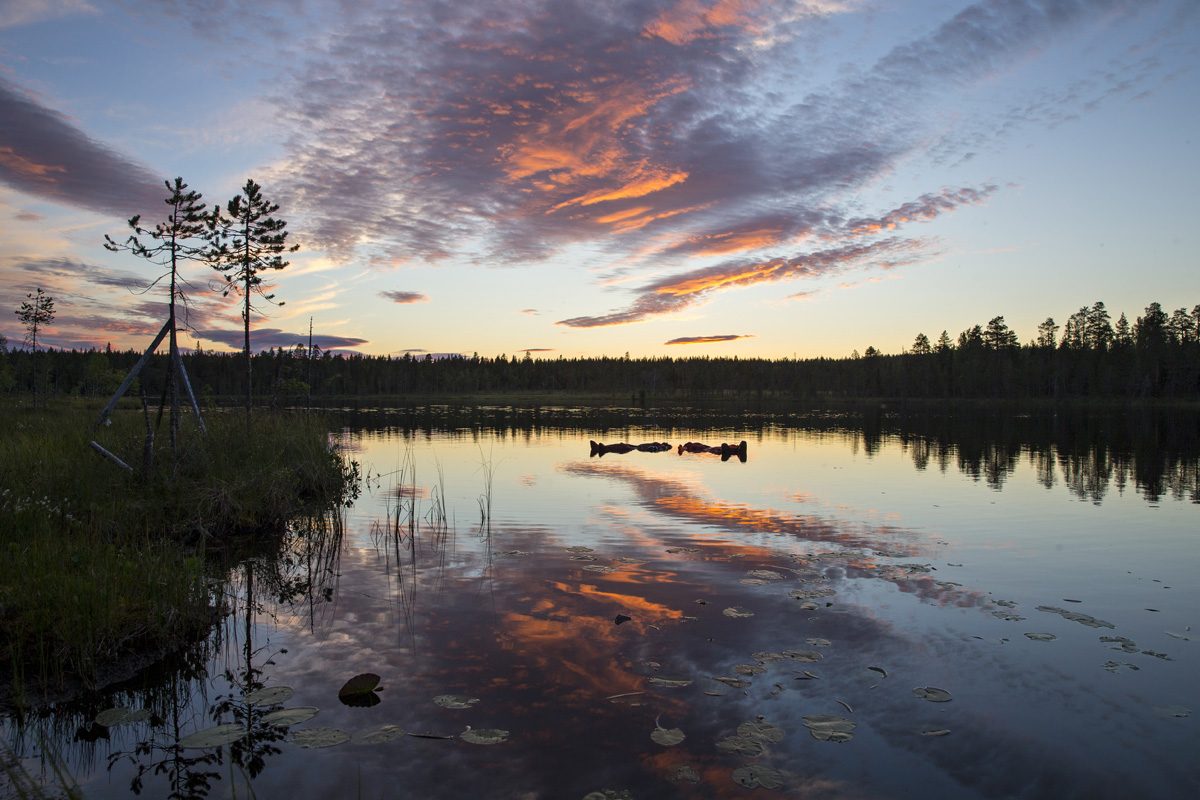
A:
x: 751, y: 178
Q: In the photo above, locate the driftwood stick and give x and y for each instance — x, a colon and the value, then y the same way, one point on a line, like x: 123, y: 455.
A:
x: 187, y: 386
x: 133, y: 373
x: 99, y: 449
x: 148, y: 444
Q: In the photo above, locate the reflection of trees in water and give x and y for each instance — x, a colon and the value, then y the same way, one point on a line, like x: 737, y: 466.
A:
x: 1093, y: 451
x: 1155, y: 451
x: 292, y: 573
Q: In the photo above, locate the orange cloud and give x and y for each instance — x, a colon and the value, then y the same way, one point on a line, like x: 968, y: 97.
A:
x: 637, y: 223
x: 689, y: 20
x: 726, y: 337
x: 752, y: 273
x: 42, y: 173
x: 715, y: 244
x: 645, y: 181
x: 926, y: 207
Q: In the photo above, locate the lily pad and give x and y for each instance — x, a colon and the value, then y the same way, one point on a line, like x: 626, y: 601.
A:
x: 736, y: 612
x: 111, y: 717
x: 765, y: 574
x: 1041, y: 637
x: 378, y: 734
x: 880, y: 670
x: 761, y: 730
x: 360, y: 690
x: 810, y: 594
x: 742, y: 745
x: 669, y: 683
x: 270, y: 697
x: 1082, y: 619
x: 752, y: 776
x: 1177, y: 712
x: 602, y: 569
x: 684, y: 773
x: 312, y: 738
x: 828, y: 728
x: 736, y: 683
x: 456, y: 701
x: 667, y: 737
x: 214, y: 737
x: 932, y: 694
x: 483, y: 735
x: 1123, y: 643
x: 749, y: 669
x: 609, y: 794
x: 816, y: 641
x: 803, y: 656
x: 580, y: 549
x: 290, y: 716
x: 938, y: 732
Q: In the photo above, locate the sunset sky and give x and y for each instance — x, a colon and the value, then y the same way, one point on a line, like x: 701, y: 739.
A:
x: 658, y: 177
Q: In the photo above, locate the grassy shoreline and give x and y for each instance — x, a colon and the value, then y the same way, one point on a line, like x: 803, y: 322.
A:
x: 99, y: 565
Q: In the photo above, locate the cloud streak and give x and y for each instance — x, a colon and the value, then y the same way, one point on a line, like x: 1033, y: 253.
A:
x: 677, y: 292
x: 404, y: 297
x: 43, y: 154
x: 268, y: 338
x: 725, y: 337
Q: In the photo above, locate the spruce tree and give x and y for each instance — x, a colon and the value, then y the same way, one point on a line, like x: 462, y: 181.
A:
x: 248, y: 242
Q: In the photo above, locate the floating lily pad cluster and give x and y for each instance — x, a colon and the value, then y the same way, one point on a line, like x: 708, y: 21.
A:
x: 1075, y: 616
x: 830, y: 728
x: 112, y: 717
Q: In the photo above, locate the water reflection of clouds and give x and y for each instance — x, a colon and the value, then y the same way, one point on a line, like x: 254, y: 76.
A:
x: 533, y: 637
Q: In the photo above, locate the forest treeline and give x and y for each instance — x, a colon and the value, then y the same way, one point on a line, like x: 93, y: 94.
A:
x: 1157, y: 356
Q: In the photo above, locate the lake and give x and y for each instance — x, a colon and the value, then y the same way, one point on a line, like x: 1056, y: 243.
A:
x: 882, y: 606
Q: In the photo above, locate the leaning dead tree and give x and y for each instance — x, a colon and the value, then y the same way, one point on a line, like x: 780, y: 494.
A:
x: 182, y: 236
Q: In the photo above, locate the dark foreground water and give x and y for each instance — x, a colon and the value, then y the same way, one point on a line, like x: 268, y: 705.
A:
x: 863, y: 609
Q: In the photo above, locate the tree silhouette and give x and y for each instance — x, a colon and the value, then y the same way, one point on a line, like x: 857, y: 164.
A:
x: 1097, y: 331
x: 249, y: 242
x: 182, y: 236
x: 35, y: 313
x: 921, y: 345
x: 1046, y: 333
x: 998, y: 336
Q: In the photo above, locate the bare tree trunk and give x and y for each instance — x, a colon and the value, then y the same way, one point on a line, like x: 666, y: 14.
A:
x: 246, y: 315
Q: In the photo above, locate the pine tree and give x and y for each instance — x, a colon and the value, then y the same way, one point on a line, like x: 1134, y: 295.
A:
x: 998, y: 336
x: 921, y: 345
x: 249, y: 242
x: 1097, y: 330
x: 182, y: 236
x: 1046, y: 333
x: 35, y: 313
x: 1122, y: 336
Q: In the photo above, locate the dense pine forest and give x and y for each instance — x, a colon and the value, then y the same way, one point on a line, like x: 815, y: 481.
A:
x: 1157, y: 356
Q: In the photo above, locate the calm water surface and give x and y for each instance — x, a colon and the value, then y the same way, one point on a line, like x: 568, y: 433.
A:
x: 832, y: 573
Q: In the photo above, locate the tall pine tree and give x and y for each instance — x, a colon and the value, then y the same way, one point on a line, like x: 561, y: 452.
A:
x: 248, y: 242
x: 182, y: 236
